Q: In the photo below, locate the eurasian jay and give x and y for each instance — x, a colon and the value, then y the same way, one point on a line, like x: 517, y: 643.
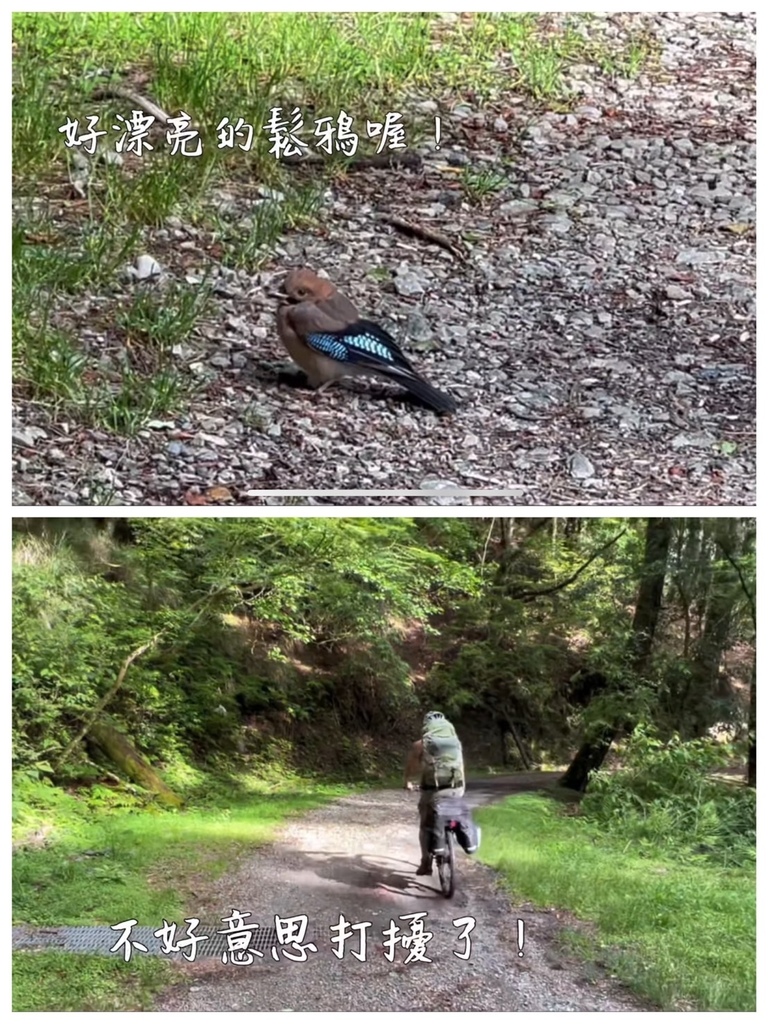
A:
x: 324, y: 334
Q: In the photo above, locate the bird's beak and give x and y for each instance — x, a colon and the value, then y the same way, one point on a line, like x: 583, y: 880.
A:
x: 279, y: 295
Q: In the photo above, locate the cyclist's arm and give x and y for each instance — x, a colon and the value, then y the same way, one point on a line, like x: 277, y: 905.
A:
x: 413, y: 764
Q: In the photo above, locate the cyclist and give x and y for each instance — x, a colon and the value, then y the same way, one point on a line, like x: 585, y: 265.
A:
x: 438, y: 760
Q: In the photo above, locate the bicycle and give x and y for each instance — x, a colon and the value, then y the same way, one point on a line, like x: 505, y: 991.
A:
x: 446, y: 860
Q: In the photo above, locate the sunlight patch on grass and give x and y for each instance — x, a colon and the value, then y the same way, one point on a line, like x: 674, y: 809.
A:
x: 106, y: 864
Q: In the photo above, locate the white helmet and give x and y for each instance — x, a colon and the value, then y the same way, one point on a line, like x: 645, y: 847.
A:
x: 432, y: 716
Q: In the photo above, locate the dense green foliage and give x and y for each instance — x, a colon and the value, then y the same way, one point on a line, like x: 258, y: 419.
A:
x: 234, y: 603
x: 268, y: 631
x: 666, y: 798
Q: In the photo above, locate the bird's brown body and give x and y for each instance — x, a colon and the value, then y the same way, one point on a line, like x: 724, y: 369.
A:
x: 315, y: 315
x: 324, y: 309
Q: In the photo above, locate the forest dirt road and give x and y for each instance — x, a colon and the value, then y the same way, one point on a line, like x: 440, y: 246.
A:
x: 357, y: 857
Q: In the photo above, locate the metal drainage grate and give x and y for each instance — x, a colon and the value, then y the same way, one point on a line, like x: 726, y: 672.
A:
x: 101, y: 939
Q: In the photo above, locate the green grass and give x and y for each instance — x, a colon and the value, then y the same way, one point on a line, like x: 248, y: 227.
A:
x: 58, y: 982
x: 91, y: 345
x: 680, y: 934
x: 110, y: 859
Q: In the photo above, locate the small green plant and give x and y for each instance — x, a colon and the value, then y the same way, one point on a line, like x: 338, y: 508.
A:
x: 727, y: 448
x: 478, y: 184
x: 163, y: 319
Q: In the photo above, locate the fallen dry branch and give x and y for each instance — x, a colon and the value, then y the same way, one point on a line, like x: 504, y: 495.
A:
x: 137, y: 653
x: 426, y: 234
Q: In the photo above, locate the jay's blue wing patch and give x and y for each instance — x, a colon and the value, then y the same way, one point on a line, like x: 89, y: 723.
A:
x: 361, y: 343
x: 370, y: 347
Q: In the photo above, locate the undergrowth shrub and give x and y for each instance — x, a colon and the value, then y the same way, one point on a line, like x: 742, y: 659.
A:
x: 666, y: 799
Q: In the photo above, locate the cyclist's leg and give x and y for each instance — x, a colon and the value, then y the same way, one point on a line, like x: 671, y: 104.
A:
x: 426, y: 817
x: 438, y: 828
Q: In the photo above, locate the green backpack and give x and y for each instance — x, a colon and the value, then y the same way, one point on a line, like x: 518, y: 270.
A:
x: 442, y: 759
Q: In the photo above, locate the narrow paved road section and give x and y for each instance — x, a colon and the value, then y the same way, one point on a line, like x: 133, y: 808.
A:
x: 357, y: 857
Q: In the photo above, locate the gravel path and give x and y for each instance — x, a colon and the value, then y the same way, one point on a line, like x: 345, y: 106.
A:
x: 600, y: 337
x: 357, y: 856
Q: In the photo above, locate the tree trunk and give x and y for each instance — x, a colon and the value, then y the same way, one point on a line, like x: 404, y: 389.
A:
x: 125, y: 756
x: 697, y: 712
x: 588, y: 759
x: 521, y: 747
x: 593, y: 751
x: 506, y: 533
x: 572, y: 526
x: 505, y: 721
x: 650, y: 592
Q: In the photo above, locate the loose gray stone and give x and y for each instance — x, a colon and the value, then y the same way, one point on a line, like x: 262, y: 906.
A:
x: 26, y: 438
x: 146, y: 267
x: 564, y: 199
x: 674, y: 291
x: 677, y: 377
x: 580, y: 466
x: 110, y: 157
x: 518, y: 207
x: 409, y: 284
x: 462, y: 111
x: 559, y: 224
x: 271, y: 194
x: 684, y: 440
x: 605, y: 242
x: 458, y: 159
x: 418, y: 328
x: 697, y: 257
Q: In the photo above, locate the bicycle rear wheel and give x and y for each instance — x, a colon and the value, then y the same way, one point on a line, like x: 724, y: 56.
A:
x: 446, y: 866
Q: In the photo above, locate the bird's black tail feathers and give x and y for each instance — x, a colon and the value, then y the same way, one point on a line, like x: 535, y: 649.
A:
x: 437, y: 400
x: 396, y: 367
